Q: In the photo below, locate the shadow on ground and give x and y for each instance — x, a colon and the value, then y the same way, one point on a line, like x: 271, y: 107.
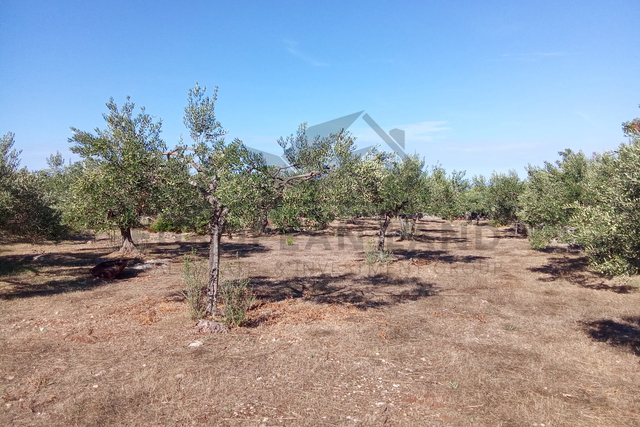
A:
x: 460, y: 242
x: 560, y: 250
x: 575, y: 270
x: 21, y: 289
x: 363, y: 292
x: 179, y: 249
x: 15, y: 264
x: 41, y: 275
x: 624, y: 333
x: 438, y: 256
x: 507, y: 233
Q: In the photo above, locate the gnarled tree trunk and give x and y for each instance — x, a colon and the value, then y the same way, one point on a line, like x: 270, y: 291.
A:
x: 383, y: 232
x: 127, y: 241
x: 216, y: 227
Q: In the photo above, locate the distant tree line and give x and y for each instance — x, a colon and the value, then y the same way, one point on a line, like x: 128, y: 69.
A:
x: 213, y: 186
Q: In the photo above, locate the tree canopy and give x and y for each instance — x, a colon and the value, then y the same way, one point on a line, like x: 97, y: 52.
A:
x: 25, y: 208
x: 120, y: 172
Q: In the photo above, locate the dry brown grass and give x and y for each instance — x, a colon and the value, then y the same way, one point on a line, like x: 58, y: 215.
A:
x: 467, y: 327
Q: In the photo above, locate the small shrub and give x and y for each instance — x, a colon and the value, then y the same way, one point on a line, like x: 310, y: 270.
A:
x: 195, y: 274
x: 385, y: 257
x: 162, y: 224
x: 539, y: 238
x: 372, y: 255
x: 289, y: 240
x: 237, y: 299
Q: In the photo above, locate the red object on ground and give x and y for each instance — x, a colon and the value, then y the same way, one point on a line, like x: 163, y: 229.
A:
x: 109, y: 269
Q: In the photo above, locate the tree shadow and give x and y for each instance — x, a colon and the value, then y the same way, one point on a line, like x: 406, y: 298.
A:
x: 179, y: 249
x: 506, y: 233
x: 507, y: 236
x: 423, y: 238
x: 362, y: 292
x: 21, y: 289
x: 437, y: 230
x: 560, y: 250
x: 624, y: 333
x: 437, y: 256
x: 15, y: 264
x: 39, y: 267
x: 575, y: 270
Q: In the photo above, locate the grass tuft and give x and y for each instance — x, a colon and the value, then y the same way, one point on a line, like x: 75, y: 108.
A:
x: 195, y: 280
x: 237, y: 299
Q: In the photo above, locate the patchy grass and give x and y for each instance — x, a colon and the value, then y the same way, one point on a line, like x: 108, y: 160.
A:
x: 468, y: 326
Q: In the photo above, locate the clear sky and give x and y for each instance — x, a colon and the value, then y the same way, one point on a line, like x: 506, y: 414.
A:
x: 476, y: 85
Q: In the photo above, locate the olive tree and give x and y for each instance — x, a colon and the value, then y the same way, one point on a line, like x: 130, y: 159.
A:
x: 502, y: 198
x: 475, y: 198
x: 444, y: 193
x: 25, y: 208
x: 234, y: 181
x: 120, y: 178
x: 607, y: 222
x: 9, y: 165
x: 388, y: 187
x: 314, y: 203
x: 550, y: 196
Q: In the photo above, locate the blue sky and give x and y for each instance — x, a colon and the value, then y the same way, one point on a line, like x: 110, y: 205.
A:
x: 477, y: 86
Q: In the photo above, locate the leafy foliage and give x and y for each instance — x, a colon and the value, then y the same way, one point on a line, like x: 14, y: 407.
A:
x: 475, y: 199
x: 607, y: 223
x: 221, y: 173
x: 121, y: 171
x: 445, y: 193
x: 237, y: 299
x: 25, y: 208
x: 502, y: 194
x: 593, y: 202
x: 550, y: 196
x: 323, y: 171
x: 194, y: 272
x: 387, y: 187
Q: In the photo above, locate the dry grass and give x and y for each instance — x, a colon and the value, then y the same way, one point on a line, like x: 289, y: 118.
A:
x: 467, y: 327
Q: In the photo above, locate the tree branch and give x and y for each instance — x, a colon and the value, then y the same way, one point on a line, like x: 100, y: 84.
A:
x: 283, y: 182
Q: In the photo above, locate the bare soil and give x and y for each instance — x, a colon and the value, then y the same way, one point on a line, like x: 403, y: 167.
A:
x: 468, y: 326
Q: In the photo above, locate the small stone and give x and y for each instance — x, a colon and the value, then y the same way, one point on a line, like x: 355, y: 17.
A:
x: 197, y: 343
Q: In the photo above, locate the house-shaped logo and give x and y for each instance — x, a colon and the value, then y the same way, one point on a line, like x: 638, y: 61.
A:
x: 394, y: 139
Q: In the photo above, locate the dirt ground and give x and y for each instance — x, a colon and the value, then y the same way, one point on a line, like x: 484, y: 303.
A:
x: 468, y: 326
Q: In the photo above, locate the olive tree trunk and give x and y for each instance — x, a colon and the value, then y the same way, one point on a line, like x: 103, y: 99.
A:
x: 216, y: 227
x: 383, y: 232
x: 127, y: 241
